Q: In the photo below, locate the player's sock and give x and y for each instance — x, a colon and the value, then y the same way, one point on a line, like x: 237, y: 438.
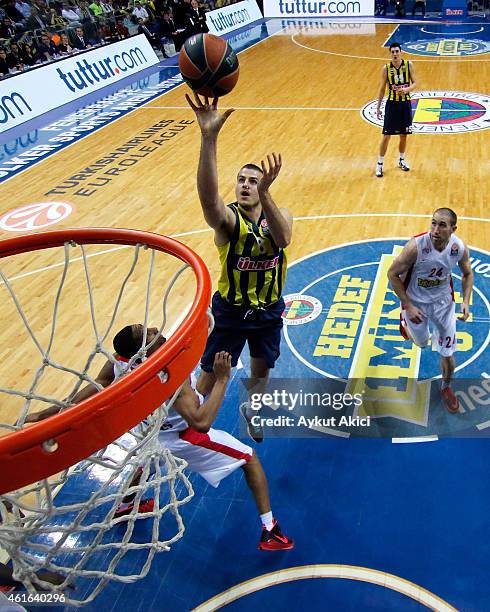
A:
x: 445, y: 384
x: 381, y: 159
x: 267, y: 520
x: 402, y: 156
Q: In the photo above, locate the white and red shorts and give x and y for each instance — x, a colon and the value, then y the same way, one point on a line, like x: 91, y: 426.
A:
x: 214, y: 455
x: 442, y: 315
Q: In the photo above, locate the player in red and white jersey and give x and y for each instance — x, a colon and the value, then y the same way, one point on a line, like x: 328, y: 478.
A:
x: 421, y: 278
x: 187, y: 431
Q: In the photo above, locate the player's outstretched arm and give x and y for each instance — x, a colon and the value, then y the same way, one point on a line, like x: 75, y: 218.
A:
x: 467, y: 283
x: 400, y: 266
x: 104, y: 378
x: 202, y: 417
x: 279, y: 221
x: 210, y: 121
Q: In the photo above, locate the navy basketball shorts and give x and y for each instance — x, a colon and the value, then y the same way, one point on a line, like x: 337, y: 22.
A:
x: 236, y: 325
x: 398, y: 118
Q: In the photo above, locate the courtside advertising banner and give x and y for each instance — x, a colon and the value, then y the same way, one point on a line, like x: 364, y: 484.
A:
x: 231, y: 17
x: 318, y: 8
x: 30, y: 94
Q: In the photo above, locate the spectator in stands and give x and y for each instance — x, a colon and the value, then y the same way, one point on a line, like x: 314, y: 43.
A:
x: 73, y: 15
x: 24, y: 8
x: 64, y: 48
x: 139, y: 12
x: 107, y: 8
x: 181, y: 11
x: 160, y: 6
x: 152, y: 36
x: 7, y: 28
x: 119, y: 9
x: 14, y: 60
x: 55, y: 21
x: 143, y: 29
x: 36, y: 21
x: 78, y: 39
x: 106, y: 32
x: 96, y: 8
x: 4, y: 68
x: 29, y: 53
x: 197, y: 18
x: 399, y: 8
x: 168, y: 30
x: 88, y: 19
x: 418, y: 4
x: 13, y: 12
x: 121, y: 29
x: 46, y: 48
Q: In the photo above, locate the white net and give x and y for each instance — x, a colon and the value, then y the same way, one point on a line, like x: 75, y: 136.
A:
x: 72, y: 523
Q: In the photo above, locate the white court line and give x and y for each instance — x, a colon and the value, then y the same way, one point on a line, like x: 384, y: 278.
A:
x: 451, y: 33
x: 264, y: 108
x: 334, y: 571
x: 411, y: 440
x: 383, y: 46
x: 349, y: 215
x: 303, y: 108
x: 207, y: 229
x: 383, y: 59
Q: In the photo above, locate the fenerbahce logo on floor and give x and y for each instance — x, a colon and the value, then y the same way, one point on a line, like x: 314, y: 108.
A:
x: 350, y: 333
x: 442, y: 112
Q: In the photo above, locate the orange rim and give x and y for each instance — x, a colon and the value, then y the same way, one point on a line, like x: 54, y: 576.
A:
x: 87, y: 427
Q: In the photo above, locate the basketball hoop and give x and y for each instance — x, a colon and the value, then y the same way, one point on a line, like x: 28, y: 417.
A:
x: 116, y: 431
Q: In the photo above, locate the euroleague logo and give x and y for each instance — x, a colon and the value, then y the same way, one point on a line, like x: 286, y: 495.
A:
x: 35, y: 216
x: 442, y: 112
x: 355, y: 336
x: 447, y: 47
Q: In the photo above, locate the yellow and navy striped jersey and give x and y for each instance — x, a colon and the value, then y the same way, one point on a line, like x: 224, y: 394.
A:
x: 253, y: 267
x: 398, y: 76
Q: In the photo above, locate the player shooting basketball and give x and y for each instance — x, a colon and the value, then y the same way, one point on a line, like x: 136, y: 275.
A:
x: 251, y: 236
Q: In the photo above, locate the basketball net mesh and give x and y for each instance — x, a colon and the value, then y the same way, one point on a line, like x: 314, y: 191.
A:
x: 66, y: 523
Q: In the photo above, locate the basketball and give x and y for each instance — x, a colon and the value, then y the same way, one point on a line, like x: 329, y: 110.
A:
x: 208, y: 65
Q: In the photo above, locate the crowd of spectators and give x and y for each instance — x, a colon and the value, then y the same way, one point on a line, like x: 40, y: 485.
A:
x: 37, y: 31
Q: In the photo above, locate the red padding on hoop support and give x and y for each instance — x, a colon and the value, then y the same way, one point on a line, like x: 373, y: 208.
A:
x: 92, y: 424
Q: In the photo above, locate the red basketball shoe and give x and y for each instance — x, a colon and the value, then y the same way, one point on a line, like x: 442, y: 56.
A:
x: 274, y: 539
x: 451, y: 401
x: 146, y: 505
